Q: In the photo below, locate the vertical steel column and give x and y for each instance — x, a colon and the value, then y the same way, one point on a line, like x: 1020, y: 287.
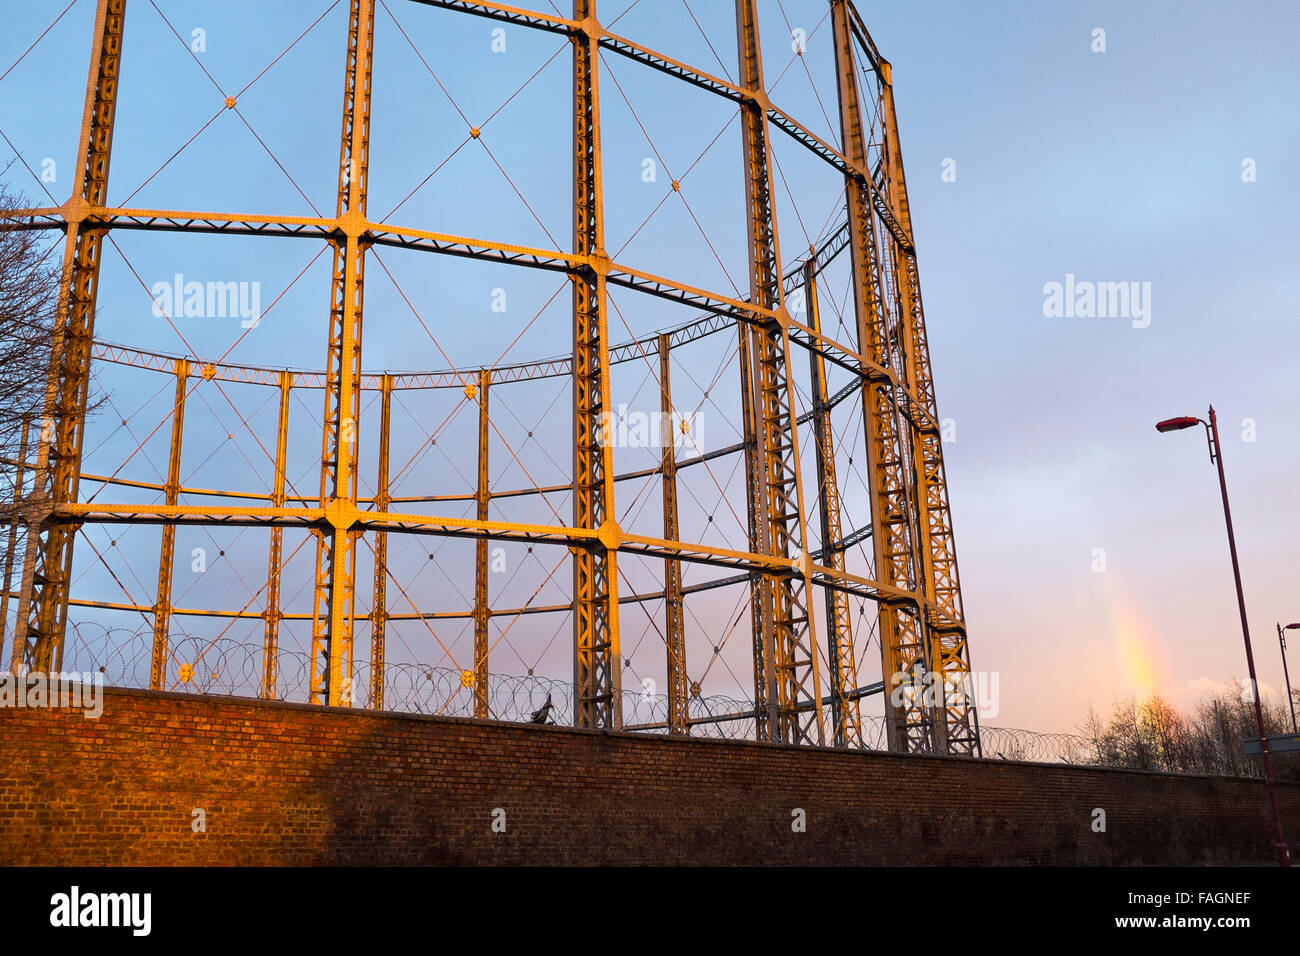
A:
x: 379, y: 602
x: 334, y: 604
x: 15, y: 655
x: 760, y: 615
x: 674, y: 610
x: 162, y: 608
x: 839, y: 620
x: 47, y: 564
x: 902, y: 640
x: 271, y: 615
x: 596, y: 664
x: 482, y: 498
x: 957, y: 725
x: 793, y: 649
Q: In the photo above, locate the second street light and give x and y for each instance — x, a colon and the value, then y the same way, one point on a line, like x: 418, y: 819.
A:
x: 1281, y: 640
x: 1216, y: 456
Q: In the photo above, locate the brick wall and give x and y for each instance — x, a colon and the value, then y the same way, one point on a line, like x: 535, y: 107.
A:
x: 285, y: 783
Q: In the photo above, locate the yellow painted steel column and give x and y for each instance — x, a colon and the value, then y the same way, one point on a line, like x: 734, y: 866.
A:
x: 674, y: 608
x: 15, y: 655
x: 956, y: 726
x: 902, y: 640
x: 791, y: 651
x: 482, y: 498
x: 47, y: 564
x: 379, y: 602
x: 839, y: 621
x: 761, y: 617
x: 272, y: 613
x: 597, y: 678
x: 334, y: 607
x: 162, y: 609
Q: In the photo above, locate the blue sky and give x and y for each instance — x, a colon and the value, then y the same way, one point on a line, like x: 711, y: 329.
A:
x: 1117, y: 166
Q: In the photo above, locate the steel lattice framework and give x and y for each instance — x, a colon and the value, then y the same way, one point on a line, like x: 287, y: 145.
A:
x: 806, y: 642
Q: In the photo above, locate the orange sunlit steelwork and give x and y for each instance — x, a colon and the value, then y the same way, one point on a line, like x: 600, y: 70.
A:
x: 806, y: 684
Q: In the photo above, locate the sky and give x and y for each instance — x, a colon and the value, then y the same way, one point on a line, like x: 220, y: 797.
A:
x: 1160, y: 151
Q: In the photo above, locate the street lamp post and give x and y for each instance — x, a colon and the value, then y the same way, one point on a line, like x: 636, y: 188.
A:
x: 1281, y: 640
x: 1216, y: 456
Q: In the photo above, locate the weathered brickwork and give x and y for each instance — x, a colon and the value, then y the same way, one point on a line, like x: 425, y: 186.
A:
x: 284, y: 783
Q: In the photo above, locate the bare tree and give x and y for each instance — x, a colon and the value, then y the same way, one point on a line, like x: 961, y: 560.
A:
x: 29, y: 300
x: 1154, y: 735
x: 1168, y: 734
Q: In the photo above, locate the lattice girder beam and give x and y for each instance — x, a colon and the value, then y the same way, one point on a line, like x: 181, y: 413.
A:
x: 656, y: 60
x: 47, y: 564
x: 718, y: 305
x: 334, y: 601
x: 446, y: 526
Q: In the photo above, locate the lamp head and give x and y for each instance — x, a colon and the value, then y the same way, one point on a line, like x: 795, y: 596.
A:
x: 1177, y: 424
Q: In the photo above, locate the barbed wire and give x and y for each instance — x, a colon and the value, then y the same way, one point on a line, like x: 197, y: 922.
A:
x: 1008, y: 743
x: 231, y: 668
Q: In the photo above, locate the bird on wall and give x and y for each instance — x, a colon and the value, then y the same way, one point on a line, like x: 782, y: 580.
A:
x: 542, y: 714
